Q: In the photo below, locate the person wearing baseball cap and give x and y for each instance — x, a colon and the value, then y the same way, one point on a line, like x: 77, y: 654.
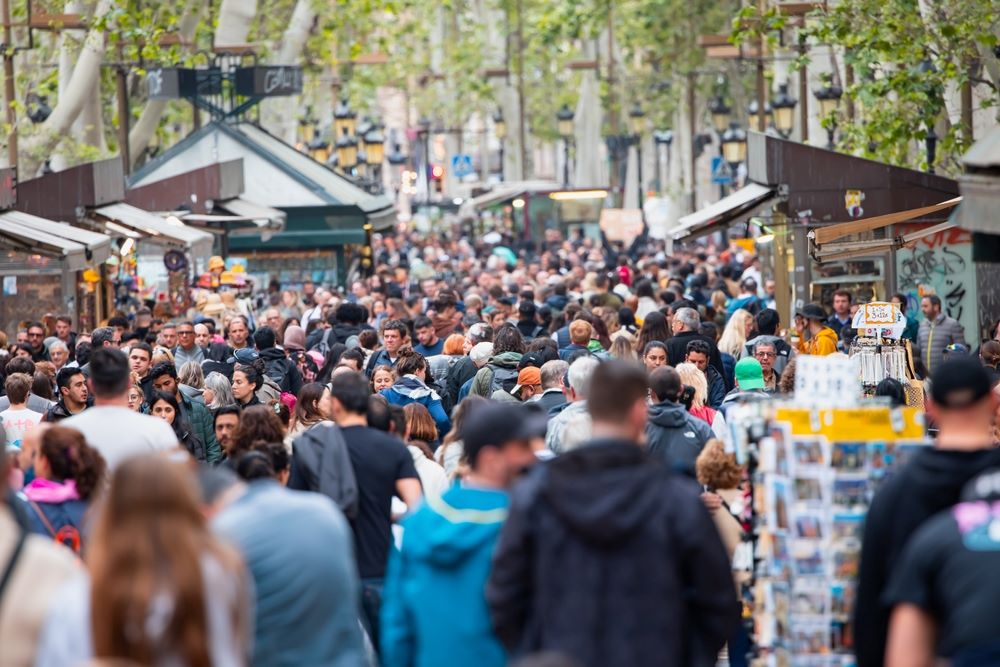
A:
x: 529, y: 384
x: 822, y: 339
x: 436, y: 581
x: 963, y: 406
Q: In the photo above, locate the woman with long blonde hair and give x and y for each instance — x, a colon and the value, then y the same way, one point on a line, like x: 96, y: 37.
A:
x: 733, y: 340
x: 163, y: 590
x: 694, y: 378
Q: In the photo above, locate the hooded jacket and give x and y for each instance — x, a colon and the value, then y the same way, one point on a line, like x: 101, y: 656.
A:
x: 203, y: 427
x: 434, y: 611
x: 822, y: 344
x: 482, y: 385
x: 278, y: 363
x: 410, y: 389
x: 675, y: 436
x: 612, y: 560
x: 320, y: 463
x: 933, y: 337
x: 716, y: 387
x: 930, y: 482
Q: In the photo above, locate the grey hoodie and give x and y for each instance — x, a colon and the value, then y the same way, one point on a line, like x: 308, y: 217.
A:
x: 676, y: 437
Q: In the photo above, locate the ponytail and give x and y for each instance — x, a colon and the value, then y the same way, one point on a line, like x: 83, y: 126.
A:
x: 70, y: 457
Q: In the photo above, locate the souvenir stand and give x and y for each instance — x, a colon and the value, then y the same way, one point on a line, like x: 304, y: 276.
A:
x: 814, y: 465
x: 879, y: 348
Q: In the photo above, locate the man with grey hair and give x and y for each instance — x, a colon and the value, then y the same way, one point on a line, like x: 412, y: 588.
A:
x: 684, y: 324
x: 58, y: 353
x: 572, y: 425
x: 464, y: 369
x: 552, y: 397
x: 478, y: 356
x: 102, y: 337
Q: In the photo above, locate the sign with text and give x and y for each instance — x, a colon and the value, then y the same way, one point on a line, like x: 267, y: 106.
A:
x: 269, y: 81
x: 621, y: 224
x: 879, y: 319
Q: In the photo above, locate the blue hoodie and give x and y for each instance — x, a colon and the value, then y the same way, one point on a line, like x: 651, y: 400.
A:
x: 409, y: 389
x: 434, y: 611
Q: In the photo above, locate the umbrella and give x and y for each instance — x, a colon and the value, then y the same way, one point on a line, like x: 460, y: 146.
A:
x: 505, y: 254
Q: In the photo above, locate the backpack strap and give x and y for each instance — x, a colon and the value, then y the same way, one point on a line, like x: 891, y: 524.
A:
x: 12, y: 563
x: 45, y: 520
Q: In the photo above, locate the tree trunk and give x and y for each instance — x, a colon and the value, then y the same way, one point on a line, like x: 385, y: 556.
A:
x: 80, y: 87
x: 235, y: 18
x: 280, y: 113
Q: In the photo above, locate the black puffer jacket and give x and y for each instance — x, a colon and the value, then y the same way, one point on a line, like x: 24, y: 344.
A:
x: 675, y: 437
x: 282, y: 370
x: 609, y: 558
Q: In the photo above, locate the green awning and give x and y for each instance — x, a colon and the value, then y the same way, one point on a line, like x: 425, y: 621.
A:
x: 308, y: 228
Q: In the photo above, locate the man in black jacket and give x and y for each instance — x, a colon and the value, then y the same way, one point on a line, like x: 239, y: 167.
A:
x: 279, y: 368
x: 73, y: 396
x: 963, y: 406
x: 464, y: 369
x: 685, y: 323
x: 672, y: 433
x: 635, y: 572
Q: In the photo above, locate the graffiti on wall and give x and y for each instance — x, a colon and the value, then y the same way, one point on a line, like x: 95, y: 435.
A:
x: 940, y: 264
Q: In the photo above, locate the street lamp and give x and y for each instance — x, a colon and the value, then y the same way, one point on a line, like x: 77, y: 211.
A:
x: 720, y: 113
x: 396, y: 158
x: 637, y: 119
x: 500, y: 130
x: 424, y: 132
x: 926, y: 71
x: 784, y: 111
x: 318, y: 147
x: 734, y: 146
x: 753, y: 119
x: 347, y: 151
x: 662, y: 138
x: 343, y: 119
x: 564, y: 122
x: 829, y: 102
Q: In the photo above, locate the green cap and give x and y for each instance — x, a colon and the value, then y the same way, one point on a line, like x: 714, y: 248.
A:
x: 749, y: 374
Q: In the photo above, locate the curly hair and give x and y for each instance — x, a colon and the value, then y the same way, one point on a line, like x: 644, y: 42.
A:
x: 716, y: 469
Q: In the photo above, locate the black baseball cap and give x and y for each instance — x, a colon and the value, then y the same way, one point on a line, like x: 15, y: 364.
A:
x: 959, y: 383
x: 812, y: 311
x: 495, y: 424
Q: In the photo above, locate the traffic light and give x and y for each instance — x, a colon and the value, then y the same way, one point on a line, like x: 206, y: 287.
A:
x: 437, y: 177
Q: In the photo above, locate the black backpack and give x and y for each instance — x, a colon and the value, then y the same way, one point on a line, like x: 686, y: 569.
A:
x: 278, y: 371
x: 503, y: 378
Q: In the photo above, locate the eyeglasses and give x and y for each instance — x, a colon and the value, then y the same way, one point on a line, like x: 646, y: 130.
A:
x: 185, y: 333
x: 34, y: 335
x: 766, y: 355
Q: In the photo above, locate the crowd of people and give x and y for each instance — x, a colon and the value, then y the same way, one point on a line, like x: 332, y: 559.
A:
x: 458, y: 460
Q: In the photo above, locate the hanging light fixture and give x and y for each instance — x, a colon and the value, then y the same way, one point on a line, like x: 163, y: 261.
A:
x: 784, y: 111
x: 347, y: 151
x: 343, y: 119
x: 753, y: 117
x: 564, y: 121
x: 734, y: 145
x: 499, y: 125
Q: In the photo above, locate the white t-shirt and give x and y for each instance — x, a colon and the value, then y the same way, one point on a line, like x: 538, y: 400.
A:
x: 119, y: 433
x: 18, y: 422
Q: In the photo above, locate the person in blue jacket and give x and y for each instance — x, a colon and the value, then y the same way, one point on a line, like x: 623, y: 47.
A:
x: 411, y: 387
x: 434, y: 611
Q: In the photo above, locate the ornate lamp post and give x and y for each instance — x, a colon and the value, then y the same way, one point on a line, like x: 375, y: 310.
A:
x: 500, y: 129
x: 564, y: 121
x: 829, y: 103
x: 753, y: 115
x: 375, y: 148
x: 734, y: 146
x: 637, y: 121
x: 662, y: 138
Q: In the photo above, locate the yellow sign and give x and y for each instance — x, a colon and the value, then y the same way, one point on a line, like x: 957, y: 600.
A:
x: 880, y: 313
x: 874, y: 423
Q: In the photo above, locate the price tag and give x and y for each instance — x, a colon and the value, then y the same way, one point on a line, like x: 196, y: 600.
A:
x: 880, y: 313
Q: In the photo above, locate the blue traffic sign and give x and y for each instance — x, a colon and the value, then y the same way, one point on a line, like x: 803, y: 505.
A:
x: 461, y: 165
x: 721, y: 173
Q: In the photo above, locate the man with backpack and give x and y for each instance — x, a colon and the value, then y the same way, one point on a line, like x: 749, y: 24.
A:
x: 501, y: 370
x: 394, y: 336
x: 278, y: 367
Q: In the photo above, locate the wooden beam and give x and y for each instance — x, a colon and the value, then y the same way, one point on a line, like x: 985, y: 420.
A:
x: 43, y: 21
x: 799, y: 8
x: 495, y: 72
x: 583, y: 64
x: 376, y: 58
x: 235, y: 49
x: 713, y: 40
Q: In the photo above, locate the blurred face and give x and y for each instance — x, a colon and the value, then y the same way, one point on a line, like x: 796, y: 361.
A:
x: 225, y: 427
x: 929, y: 310
x: 353, y: 363
x: 138, y: 362
x: 35, y: 337
x: 358, y: 289
x: 699, y: 359
x: 185, y: 336
x: 676, y: 325
x: 766, y: 355
x: 242, y: 388
x: 748, y: 328
x: 655, y: 358
x: 841, y: 305
x: 168, y: 337
x: 22, y: 353
x: 382, y: 380
x: 497, y: 319
x: 393, y: 340
x: 429, y: 287
x: 504, y: 464
x: 134, y: 399
x: 164, y: 411
x: 202, y: 335
x: 325, y: 405
x: 62, y: 329
x: 22, y: 337
x: 426, y: 335
x: 273, y: 319
x: 59, y: 356
x: 166, y: 384
x: 76, y: 392
x: 238, y: 333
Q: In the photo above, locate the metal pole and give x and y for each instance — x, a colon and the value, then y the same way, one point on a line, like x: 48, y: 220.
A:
x: 848, y: 83
x: 8, y: 83
x: 803, y: 95
x: 521, y: 130
x: 761, y: 102
x: 692, y: 128
x: 638, y: 155
x: 501, y: 160
x: 566, y: 162
x: 121, y: 81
